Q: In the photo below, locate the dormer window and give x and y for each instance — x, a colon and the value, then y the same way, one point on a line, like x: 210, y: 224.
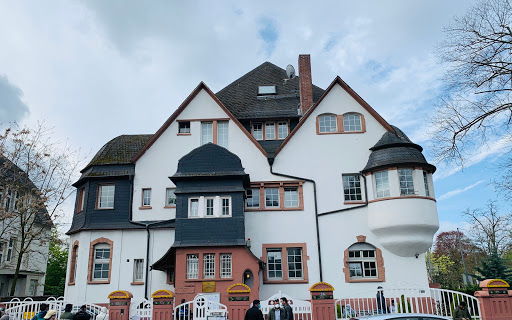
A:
x: 266, y: 90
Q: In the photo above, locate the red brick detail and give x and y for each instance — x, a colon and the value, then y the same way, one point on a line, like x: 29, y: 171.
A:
x: 283, y: 247
x: 72, y: 267
x: 241, y: 260
x: 305, y: 83
x: 91, y: 260
x: 361, y: 238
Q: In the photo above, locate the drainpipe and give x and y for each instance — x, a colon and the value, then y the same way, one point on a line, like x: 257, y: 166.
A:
x: 316, y: 212
x: 355, y: 207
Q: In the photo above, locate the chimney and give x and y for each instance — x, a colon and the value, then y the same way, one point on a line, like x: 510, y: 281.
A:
x: 305, y: 83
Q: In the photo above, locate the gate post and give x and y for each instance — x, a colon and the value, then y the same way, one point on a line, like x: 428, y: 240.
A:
x: 322, y: 301
x: 119, y: 306
x: 495, y: 300
x: 162, y: 304
x: 238, y: 300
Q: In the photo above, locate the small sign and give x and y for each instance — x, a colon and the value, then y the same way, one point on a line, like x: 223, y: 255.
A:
x: 209, y: 286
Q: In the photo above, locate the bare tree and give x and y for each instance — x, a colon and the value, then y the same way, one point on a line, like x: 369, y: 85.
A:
x: 36, y: 173
x: 476, y: 106
x: 490, y: 230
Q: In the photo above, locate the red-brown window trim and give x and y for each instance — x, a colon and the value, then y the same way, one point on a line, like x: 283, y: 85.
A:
x: 339, y: 124
x: 276, y: 126
x: 98, y: 195
x: 381, y: 271
x: 142, y: 206
x: 281, y: 185
x: 284, y: 259
x: 80, y: 202
x: 214, y: 123
x: 72, y: 267
x: 91, y: 260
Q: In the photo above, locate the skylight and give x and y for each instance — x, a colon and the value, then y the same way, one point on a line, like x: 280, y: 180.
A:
x: 264, y: 90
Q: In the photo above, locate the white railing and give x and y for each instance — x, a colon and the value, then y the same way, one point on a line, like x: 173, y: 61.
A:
x: 28, y: 308
x: 411, y: 300
x: 201, y: 308
x: 142, y: 310
x: 301, y: 308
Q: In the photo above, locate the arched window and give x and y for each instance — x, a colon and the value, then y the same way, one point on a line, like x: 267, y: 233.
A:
x: 327, y: 123
x: 100, y: 260
x: 353, y: 122
x: 363, y: 263
x: 73, y: 263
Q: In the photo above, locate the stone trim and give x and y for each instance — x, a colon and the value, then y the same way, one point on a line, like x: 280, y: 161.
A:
x: 91, y: 260
x: 72, y: 267
x: 381, y: 271
x: 283, y: 247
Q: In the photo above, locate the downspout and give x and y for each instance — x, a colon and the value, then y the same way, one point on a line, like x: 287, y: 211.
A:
x: 316, y: 212
x: 355, y: 207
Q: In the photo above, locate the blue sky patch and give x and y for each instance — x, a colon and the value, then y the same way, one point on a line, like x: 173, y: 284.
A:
x: 268, y: 32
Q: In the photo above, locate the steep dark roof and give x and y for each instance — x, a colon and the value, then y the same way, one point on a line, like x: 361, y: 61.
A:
x: 241, y: 96
x: 97, y: 172
x: 119, y: 150
x: 396, y: 149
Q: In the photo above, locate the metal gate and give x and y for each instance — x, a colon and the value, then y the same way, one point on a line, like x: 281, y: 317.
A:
x: 301, y: 308
x: 407, y: 300
x: 142, y: 310
x: 199, y: 309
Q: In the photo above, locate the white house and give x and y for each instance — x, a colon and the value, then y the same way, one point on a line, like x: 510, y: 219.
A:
x: 271, y: 182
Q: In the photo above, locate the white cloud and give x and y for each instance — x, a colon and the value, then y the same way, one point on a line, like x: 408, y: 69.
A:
x: 455, y: 192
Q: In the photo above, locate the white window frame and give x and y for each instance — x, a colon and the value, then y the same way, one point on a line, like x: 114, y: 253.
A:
x: 101, y: 261
x: 356, y: 254
x: 184, y: 129
x: 138, y: 270
x: 290, y: 203
x: 267, y: 90
x: 282, y: 130
x: 278, y: 198
x: 212, y: 200
x: 325, y: 126
x: 288, y: 255
x: 146, y: 197
x: 226, y: 266
x: 276, y: 250
x: 206, y: 132
x: 406, y: 181
x: 209, y: 266
x: 223, y: 133
x: 10, y: 250
x: 230, y: 206
x: 193, y: 266
x: 383, y: 183
x: 106, y: 196
x: 350, y: 122
x: 257, y: 133
x: 352, y: 183
x: 167, y: 203
x: 425, y: 182
x: 253, y: 191
x: 190, y: 211
x: 270, y: 131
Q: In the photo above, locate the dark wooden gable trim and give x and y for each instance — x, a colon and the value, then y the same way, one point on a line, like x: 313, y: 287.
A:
x: 185, y: 103
x: 353, y: 94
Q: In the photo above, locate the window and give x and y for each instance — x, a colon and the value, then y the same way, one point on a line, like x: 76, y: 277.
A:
x: 184, y: 127
x: 270, y: 131
x: 192, y: 266
x: 222, y: 134
x: 32, y: 289
x: 2, y: 245
x: 209, y: 266
x: 73, y: 263
x: 206, y: 132
x: 17, y: 196
x: 406, y: 183
x: 80, y: 203
x: 382, y: 184
x: 7, y: 199
x: 265, y: 90
x: 362, y: 261
x: 295, y: 263
x: 253, y: 198
x: 282, y: 130
x: 257, y: 130
x: 101, y: 262
x: 193, y: 210
x: 225, y: 265
x: 352, y: 122
x: 10, y: 249
x: 170, y: 197
x: 425, y: 181
x: 226, y: 207
x: 352, y: 188
x: 106, y: 196
x: 138, y: 270
x: 274, y: 264
x: 209, y: 207
x: 291, y: 197
x: 327, y: 123
x: 271, y: 197
x: 146, y: 197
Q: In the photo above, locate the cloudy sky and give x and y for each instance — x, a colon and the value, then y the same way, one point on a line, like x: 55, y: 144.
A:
x: 96, y: 69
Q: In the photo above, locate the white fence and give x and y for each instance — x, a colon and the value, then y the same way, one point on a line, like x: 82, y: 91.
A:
x: 28, y: 308
x: 301, y: 308
x: 411, y: 300
x: 201, y: 308
x: 142, y: 310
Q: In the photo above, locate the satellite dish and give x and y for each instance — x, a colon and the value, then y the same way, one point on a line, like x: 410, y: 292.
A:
x: 290, y: 71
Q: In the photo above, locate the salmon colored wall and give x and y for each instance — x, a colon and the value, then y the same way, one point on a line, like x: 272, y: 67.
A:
x: 242, y: 260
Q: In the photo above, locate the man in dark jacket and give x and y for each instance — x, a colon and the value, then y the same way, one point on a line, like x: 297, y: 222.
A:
x: 381, y: 301
x: 254, y: 313
x: 288, y: 311
x: 43, y: 308
x: 461, y: 312
x: 82, y: 314
x: 277, y: 313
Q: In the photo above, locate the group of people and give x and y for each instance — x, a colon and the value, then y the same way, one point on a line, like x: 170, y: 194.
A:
x: 281, y: 311
x: 46, y: 314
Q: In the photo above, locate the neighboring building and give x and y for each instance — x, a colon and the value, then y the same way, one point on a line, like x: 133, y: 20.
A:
x: 33, y: 264
x: 249, y: 185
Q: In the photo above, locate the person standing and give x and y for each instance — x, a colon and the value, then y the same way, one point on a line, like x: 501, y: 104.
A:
x: 67, y: 314
x: 184, y: 313
x: 461, y: 312
x: 288, y: 311
x: 277, y: 313
x: 50, y: 315
x: 254, y: 313
x: 43, y: 308
x: 82, y: 314
x: 381, y: 301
